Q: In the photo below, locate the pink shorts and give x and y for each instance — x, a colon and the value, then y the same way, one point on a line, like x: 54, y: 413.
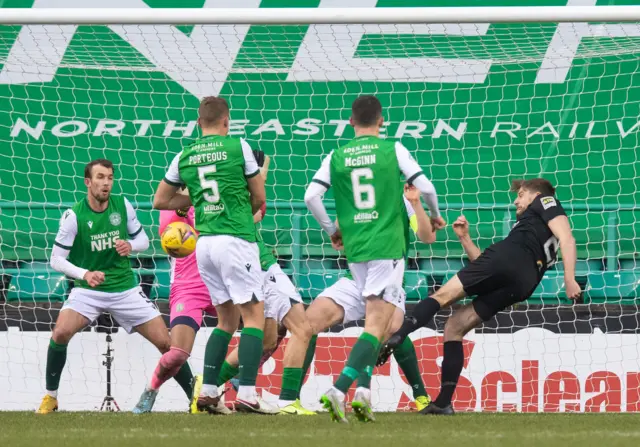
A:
x: 187, y: 304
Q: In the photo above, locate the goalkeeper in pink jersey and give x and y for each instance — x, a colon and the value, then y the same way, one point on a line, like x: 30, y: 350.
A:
x: 188, y: 299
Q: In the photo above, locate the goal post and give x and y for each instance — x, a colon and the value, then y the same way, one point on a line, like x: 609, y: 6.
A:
x: 479, y: 95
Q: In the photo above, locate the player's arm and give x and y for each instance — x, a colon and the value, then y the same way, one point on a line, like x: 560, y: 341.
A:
x: 138, y: 240
x: 561, y: 229
x: 337, y: 243
x: 263, y: 161
x: 319, y: 185
x: 62, y: 246
x: 418, y: 219
x: 414, y: 175
x: 552, y: 213
x: 461, y: 228
x: 168, y: 195
x: 255, y: 182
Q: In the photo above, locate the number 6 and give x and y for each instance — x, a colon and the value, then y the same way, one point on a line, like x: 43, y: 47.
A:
x: 369, y: 199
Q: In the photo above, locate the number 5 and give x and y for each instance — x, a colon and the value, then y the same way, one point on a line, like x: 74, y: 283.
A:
x: 211, y: 185
x: 360, y: 190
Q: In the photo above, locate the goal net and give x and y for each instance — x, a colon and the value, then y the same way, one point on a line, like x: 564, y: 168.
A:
x: 477, y: 104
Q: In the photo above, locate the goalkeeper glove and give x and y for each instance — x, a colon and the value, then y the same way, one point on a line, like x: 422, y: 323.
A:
x: 259, y: 157
x: 182, y: 212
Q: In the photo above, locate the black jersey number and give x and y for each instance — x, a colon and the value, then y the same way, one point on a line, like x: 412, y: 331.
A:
x: 551, y: 250
x: 147, y: 300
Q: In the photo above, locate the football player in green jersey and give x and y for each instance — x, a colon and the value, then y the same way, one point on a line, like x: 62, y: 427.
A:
x: 283, y: 308
x: 92, y: 247
x: 366, y: 177
x: 341, y: 303
x: 226, y: 190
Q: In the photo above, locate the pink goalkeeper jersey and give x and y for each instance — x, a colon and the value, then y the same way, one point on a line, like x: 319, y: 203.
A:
x: 184, y: 271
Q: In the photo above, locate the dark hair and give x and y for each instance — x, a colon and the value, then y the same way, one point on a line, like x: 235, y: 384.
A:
x: 540, y: 185
x: 366, y: 111
x: 98, y: 162
x: 212, y: 109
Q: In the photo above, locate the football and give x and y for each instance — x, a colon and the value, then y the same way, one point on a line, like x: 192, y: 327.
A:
x: 178, y: 240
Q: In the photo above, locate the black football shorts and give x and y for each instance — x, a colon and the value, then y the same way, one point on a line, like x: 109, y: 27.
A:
x: 499, y: 278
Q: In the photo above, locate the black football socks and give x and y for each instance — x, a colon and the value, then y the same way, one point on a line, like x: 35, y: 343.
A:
x: 452, y: 363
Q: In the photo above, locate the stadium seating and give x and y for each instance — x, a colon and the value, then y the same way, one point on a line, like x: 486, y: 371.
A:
x: 607, y: 266
x: 613, y: 287
x: 37, y: 282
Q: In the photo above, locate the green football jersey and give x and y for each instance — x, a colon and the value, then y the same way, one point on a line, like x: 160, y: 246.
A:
x: 94, y: 247
x: 213, y: 169
x: 407, y: 227
x: 367, y: 181
x: 267, y: 259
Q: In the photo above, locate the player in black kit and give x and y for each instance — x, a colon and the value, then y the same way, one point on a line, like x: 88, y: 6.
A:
x: 506, y: 273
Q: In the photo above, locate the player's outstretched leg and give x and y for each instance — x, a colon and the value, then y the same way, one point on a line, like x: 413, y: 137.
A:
x: 342, y: 302
x: 422, y: 314
x: 68, y: 324
x: 283, y: 306
x: 461, y: 322
x: 323, y: 313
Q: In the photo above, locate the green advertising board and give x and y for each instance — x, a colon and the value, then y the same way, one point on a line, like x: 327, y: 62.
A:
x: 478, y: 105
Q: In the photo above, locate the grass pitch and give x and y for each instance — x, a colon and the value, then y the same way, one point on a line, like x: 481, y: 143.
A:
x: 406, y: 430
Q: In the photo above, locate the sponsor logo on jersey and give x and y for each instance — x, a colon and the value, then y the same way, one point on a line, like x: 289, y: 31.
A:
x: 248, y: 267
x: 354, y: 150
x: 548, y: 202
x: 115, y: 219
x: 365, y: 217
x: 217, y: 208
x: 90, y: 223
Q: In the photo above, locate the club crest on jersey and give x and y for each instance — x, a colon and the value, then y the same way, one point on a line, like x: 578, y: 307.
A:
x: 548, y: 202
x: 115, y: 219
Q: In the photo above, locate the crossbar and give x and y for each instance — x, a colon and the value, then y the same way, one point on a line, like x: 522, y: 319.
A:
x: 282, y: 16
